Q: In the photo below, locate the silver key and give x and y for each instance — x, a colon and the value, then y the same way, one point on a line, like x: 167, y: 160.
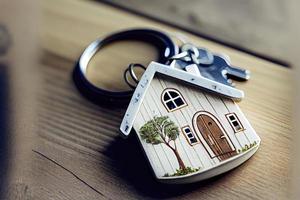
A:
x: 213, y: 66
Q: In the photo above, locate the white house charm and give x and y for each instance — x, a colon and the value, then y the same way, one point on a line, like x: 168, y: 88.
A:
x: 189, y: 126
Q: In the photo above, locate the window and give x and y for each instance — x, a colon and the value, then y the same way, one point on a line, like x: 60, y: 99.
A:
x: 234, y: 122
x: 172, y: 99
x: 189, y: 135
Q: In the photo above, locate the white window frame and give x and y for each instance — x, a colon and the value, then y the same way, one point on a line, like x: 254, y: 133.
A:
x: 172, y: 99
x: 238, y: 128
x: 189, y: 138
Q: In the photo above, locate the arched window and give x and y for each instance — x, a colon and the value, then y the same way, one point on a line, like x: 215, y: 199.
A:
x: 172, y: 99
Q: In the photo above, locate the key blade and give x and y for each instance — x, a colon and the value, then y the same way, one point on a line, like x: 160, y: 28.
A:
x: 216, y: 76
x: 237, y: 73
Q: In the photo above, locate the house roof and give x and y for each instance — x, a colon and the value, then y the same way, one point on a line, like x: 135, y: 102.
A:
x: 144, y: 83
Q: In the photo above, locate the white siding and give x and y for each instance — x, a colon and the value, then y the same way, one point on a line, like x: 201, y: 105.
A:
x: 180, y: 121
x: 157, y: 98
x: 248, y: 132
x: 188, y: 113
x: 161, y: 157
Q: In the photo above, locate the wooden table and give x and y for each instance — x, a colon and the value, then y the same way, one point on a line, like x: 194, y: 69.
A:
x: 77, y: 153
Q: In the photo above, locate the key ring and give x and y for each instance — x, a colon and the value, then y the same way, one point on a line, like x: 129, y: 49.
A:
x: 132, y: 74
x: 191, y: 53
x: 164, y: 44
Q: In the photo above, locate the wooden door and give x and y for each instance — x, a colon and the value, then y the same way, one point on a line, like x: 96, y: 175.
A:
x: 215, y: 137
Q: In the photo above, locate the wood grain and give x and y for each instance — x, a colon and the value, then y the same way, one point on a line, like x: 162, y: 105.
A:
x: 78, y: 153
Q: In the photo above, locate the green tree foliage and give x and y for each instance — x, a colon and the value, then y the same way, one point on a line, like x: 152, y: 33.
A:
x: 161, y: 130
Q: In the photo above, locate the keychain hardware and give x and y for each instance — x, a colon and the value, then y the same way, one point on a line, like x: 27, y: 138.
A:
x: 132, y: 74
x: 213, y: 66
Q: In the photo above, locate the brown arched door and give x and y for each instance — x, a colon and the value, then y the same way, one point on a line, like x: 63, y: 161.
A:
x: 215, y: 137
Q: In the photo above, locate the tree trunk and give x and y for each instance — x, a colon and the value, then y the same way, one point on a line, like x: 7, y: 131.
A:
x: 180, y: 162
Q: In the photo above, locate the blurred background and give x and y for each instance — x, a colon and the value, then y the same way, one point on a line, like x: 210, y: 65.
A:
x: 260, y: 27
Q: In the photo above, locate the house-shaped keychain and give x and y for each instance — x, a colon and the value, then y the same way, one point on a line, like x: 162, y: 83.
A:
x: 190, y: 127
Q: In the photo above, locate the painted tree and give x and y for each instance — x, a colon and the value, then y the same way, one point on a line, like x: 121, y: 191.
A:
x: 161, y: 130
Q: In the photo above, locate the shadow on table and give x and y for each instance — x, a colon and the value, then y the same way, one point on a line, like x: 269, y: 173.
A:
x: 127, y: 155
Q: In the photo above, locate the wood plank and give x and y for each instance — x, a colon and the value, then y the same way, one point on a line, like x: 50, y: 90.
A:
x: 93, y: 162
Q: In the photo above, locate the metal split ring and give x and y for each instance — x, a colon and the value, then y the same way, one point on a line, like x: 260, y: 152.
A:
x: 132, y: 74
